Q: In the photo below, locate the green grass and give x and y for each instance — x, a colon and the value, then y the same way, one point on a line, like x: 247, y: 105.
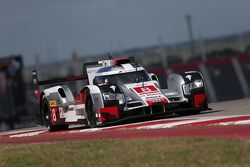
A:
x: 136, y: 152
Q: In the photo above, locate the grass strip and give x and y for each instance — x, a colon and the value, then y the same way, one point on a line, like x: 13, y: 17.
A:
x: 132, y: 152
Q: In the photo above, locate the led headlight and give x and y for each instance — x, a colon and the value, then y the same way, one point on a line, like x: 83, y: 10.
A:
x: 120, y: 97
x: 186, y: 89
x: 194, y: 85
x: 128, y: 98
x: 111, y: 96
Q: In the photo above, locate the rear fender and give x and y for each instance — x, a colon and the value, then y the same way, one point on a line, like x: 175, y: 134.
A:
x: 59, y: 98
x: 62, y: 94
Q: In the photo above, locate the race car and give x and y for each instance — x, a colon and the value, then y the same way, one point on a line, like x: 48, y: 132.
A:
x: 116, y: 89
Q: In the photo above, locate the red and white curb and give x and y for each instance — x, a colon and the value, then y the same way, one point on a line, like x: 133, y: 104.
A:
x: 155, y: 124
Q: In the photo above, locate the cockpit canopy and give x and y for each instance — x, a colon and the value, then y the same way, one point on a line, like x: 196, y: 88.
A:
x: 121, y: 75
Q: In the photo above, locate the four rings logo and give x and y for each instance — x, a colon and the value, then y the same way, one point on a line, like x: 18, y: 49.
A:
x: 145, y: 89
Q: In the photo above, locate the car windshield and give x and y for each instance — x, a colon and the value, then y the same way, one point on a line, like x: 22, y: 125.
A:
x: 124, y: 78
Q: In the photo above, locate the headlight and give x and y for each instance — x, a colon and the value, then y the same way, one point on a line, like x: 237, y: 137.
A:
x: 128, y: 98
x: 111, y: 96
x: 186, y: 89
x: 194, y: 85
x: 120, y: 98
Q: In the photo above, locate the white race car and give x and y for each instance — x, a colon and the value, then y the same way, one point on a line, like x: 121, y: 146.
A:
x: 116, y: 89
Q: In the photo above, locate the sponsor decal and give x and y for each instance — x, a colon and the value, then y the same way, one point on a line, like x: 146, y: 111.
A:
x: 150, y: 94
x: 52, y: 103
x: 61, y: 112
x: 146, y: 89
x: 53, y: 114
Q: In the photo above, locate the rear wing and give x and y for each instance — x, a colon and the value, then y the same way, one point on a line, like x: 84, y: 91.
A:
x: 38, y: 83
x: 89, y: 71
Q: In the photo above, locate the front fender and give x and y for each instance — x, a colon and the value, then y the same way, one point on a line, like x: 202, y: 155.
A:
x: 96, y: 95
x: 175, y: 82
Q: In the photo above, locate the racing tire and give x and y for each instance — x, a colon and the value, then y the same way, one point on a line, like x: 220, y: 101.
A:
x: 91, y: 114
x: 46, y: 117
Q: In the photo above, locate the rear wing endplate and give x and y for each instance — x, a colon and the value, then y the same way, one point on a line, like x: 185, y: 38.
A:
x: 38, y: 83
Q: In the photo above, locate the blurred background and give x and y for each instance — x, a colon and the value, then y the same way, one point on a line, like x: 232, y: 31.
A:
x: 165, y: 36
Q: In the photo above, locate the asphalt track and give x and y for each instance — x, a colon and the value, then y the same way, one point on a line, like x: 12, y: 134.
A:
x: 229, y: 119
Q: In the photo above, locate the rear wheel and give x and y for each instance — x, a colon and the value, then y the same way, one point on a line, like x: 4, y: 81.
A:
x: 46, y: 117
x: 91, y: 114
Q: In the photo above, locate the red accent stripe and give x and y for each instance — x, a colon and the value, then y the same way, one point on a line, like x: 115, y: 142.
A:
x: 198, y: 99
x: 75, y: 78
x: 239, y: 132
x: 82, y: 96
x: 119, y: 61
x: 158, y: 100
x: 4, y: 138
x: 112, y: 111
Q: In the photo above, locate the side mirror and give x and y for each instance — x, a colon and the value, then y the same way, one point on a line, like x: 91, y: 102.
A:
x: 153, y: 77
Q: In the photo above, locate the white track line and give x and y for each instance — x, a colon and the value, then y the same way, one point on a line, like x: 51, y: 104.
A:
x: 197, y: 120
x: 140, y: 125
x: 244, y: 122
x: 28, y: 134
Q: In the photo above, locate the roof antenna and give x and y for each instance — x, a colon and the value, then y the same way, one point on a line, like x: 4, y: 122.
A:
x: 110, y: 56
x: 110, y: 53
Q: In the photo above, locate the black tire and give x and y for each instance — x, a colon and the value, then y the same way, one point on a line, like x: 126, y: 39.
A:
x: 46, y: 117
x: 91, y: 114
x: 45, y: 112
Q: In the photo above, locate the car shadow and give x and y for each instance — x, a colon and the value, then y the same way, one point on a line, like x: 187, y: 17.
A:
x: 141, y: 119
x: 211, y: 111
x: 146, y: 118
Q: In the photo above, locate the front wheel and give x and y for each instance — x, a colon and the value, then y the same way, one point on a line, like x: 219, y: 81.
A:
x: 91, y: 114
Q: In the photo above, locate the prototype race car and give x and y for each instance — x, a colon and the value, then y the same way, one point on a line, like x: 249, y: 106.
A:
x: 117, y: 88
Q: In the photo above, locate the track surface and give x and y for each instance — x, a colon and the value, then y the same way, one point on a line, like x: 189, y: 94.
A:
x: 229, y: 119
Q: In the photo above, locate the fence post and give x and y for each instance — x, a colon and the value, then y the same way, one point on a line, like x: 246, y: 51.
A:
x: 241, y: 77
x: 210, y: 87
